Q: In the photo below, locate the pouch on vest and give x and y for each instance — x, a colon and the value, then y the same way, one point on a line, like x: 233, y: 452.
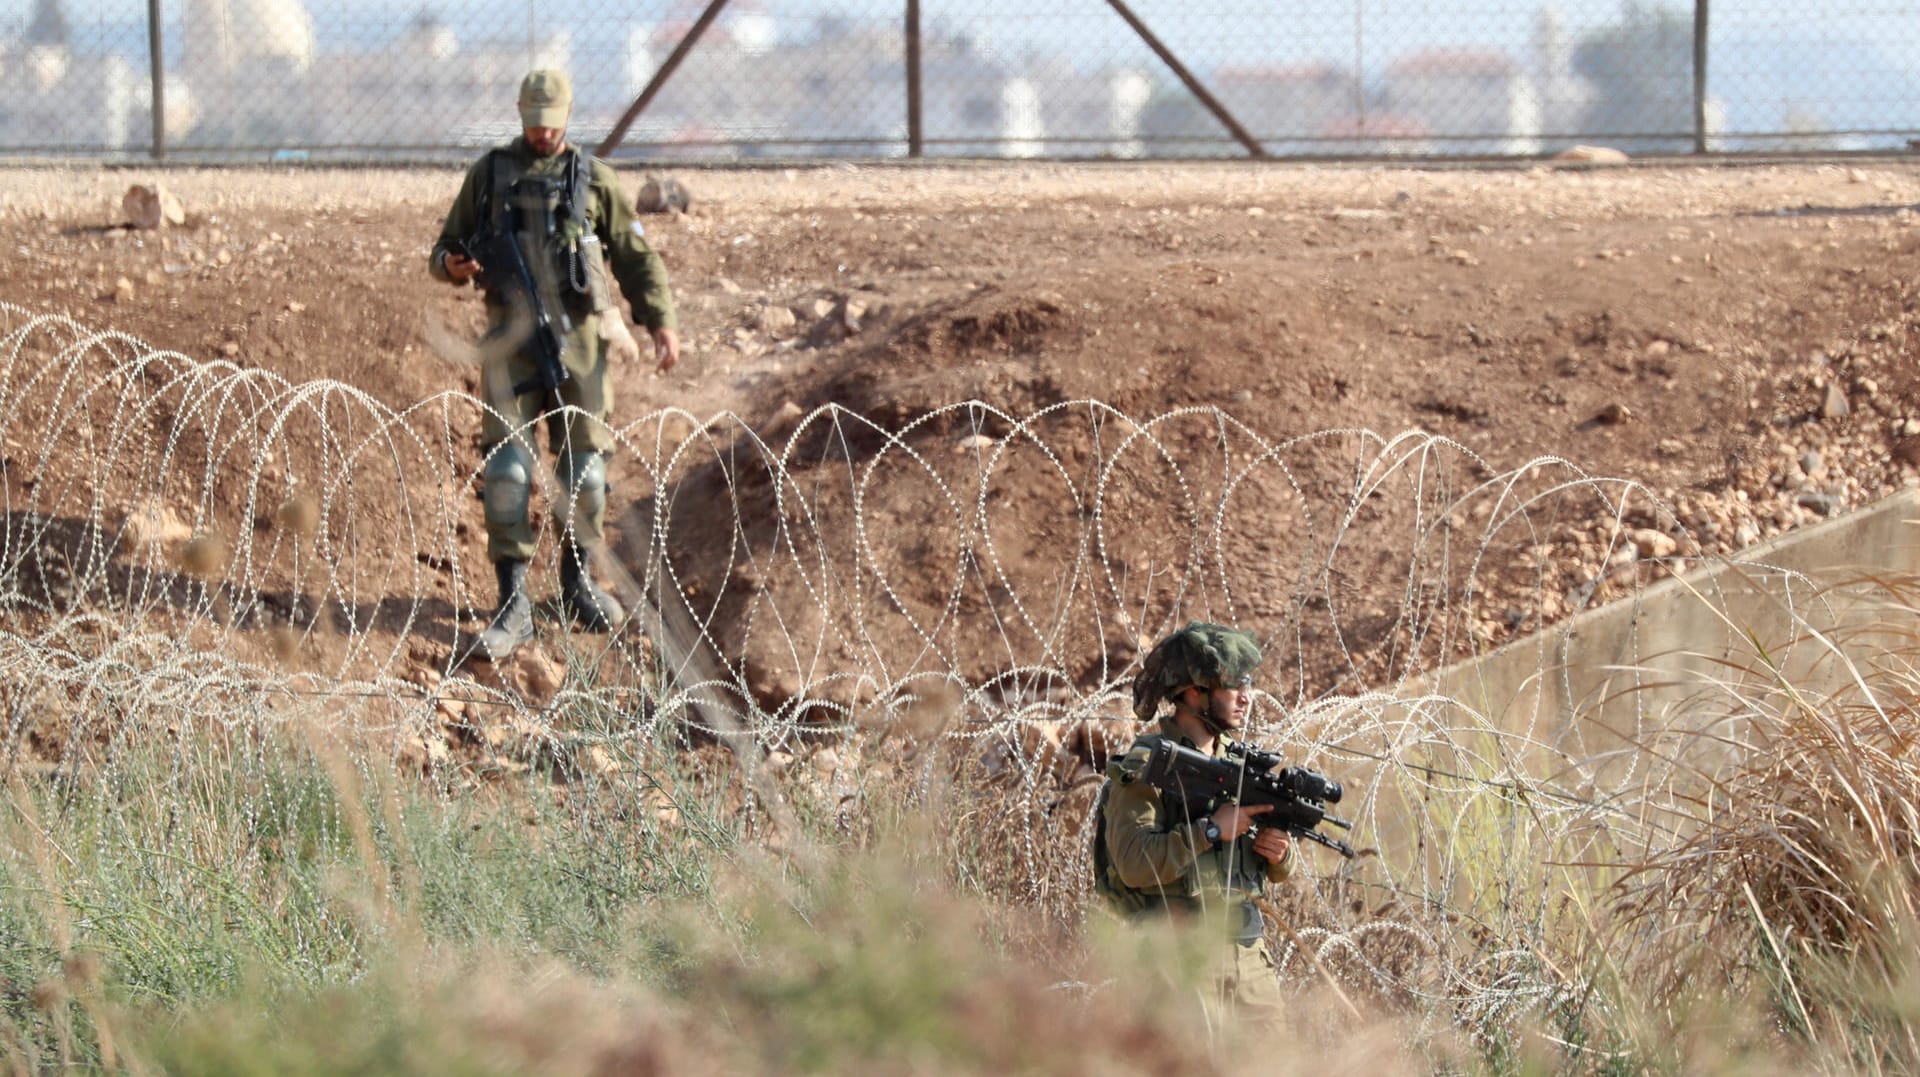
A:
x: 1124, y: 899
x: 599, y: 287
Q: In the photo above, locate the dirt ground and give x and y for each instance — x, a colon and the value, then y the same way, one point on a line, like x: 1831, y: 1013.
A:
x: 1738, y: 338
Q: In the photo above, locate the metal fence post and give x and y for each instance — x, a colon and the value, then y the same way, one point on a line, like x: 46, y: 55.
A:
x: 1200, y: 92
x: 660, y: 77
x: 1699, y: 76
x: 916, y: 137
x: 156, y: 58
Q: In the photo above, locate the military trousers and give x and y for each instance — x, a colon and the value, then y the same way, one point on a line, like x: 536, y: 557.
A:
x: 516, y: 416
x: 1245, y: 990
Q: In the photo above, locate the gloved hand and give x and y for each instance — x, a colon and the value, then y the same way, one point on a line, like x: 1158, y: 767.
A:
x: 621, y: 347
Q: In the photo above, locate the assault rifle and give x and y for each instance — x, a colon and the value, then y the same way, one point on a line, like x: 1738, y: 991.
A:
x: 1249, y: 776
x: 506, y: 268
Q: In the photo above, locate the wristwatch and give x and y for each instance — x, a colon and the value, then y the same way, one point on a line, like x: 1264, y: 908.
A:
x: 1212, y: 830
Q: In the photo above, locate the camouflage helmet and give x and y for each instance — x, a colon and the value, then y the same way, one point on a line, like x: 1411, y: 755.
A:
x: 1201, y: 654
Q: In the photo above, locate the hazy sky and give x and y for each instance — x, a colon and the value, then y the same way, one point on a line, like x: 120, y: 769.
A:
x: 1212, y: 31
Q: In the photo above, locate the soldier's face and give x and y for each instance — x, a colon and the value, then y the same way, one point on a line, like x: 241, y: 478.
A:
x: 546, y: 141
x: 1228, y: 706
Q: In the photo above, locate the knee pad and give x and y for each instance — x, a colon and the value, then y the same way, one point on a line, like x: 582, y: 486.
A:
x: 506, y: 484
x: 583, y: 491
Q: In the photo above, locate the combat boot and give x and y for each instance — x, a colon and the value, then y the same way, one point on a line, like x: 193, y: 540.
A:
x: 581, y: 598
x: 512, y: 623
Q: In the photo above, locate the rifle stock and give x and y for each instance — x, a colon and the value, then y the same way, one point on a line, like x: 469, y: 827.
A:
x: 1204, y: 782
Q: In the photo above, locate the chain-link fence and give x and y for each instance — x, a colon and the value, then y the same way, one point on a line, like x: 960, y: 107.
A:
x: 723, y: 79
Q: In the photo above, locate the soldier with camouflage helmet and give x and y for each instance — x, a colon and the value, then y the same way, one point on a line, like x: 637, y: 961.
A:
x: 1151, y: 859
x: 569, y: 217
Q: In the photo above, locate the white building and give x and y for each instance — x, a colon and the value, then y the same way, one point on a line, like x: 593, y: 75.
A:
x: 1469, y: 100
x: 232, y: 35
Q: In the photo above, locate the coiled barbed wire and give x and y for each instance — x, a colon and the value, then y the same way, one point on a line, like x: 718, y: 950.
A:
x: 206, y: 552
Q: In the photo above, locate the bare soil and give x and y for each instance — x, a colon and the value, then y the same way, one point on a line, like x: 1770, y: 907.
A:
x: 1700, y: 330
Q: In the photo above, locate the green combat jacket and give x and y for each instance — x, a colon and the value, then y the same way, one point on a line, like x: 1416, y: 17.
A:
x: 1148, y: 857
x: 636, y: 265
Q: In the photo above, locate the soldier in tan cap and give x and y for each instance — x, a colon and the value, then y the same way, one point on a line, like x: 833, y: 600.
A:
x: 568, y: 218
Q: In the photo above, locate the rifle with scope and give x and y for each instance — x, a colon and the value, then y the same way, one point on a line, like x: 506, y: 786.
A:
x: 1249, y: 776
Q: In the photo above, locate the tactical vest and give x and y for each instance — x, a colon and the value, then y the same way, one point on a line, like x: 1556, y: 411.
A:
x: 547, y: 216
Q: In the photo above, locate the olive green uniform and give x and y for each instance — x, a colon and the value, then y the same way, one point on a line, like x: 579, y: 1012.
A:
x: 643, y: 280
x: 1153, y: 861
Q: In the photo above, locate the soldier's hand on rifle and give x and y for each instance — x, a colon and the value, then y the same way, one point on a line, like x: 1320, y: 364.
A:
x: 1236, y: 819
x: 621, y: 347
x: 666, y: 348
x: 1272, y: 843
x: 460, y: 268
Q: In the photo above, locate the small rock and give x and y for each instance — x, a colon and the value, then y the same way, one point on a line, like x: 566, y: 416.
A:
x: 122, y: 291
x: 1810, y: 462
x: 540, y: 675
x: 1652, y: 544
x: 152, y: 523
x: 1836, y: 405
x: 1815, y: 501
x: 229, y: 349
x: 1613, y: 414
x: 151, y: 206
x: 973, y: 443
x: 840, y: 323
x: 784, y: 421
x: 1591, y: 155
x: 662, y: 194
x: 776, y: 320
x: 423, y: 752
x: 727, y: 285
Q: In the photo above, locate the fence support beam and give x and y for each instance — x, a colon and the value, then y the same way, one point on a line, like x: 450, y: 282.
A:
x: 660, y: 77
x: 156, y: 62
x: 1193, y: 84
x: 1700, y: 76
x: 916, y: 136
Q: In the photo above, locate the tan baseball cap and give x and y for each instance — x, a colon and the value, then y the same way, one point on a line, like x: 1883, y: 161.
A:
x: 546, y: 97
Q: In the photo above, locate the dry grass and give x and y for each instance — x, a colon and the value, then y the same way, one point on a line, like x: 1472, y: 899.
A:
x: 1798, y: 883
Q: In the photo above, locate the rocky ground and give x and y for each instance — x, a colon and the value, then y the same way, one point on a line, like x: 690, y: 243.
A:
x: 1737, y: 338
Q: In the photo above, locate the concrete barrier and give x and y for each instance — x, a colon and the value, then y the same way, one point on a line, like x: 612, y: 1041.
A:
x: 1793, y: 610
x: 1563, y: 748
